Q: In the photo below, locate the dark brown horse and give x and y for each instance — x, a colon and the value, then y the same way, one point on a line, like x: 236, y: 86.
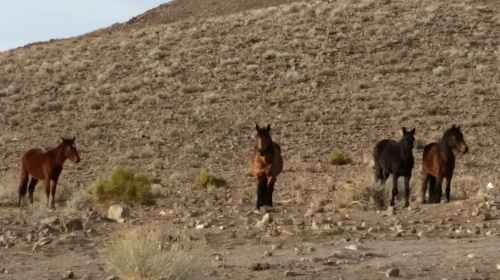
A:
x: 396, y: 158
x: 438, y: 163
x: 46, y: 166
x: 266, y: 164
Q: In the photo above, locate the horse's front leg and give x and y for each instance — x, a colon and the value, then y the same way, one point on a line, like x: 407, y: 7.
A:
x: 23, y: 186
x: 448, y: 189
x: 261, y: 191
x: 270, y: 190
x: 394, y: 188
x: 31, y: 188
x: 47, y: 190
x: 439, y: 190
x: 407, y: 190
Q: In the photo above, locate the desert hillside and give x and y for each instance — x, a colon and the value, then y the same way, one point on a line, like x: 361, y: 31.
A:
x: 179, y: 89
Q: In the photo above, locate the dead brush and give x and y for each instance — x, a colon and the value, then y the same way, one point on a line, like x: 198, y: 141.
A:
x: 141, y: 254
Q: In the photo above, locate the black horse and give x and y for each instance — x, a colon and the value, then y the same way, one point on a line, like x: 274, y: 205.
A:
x: 395, y: 158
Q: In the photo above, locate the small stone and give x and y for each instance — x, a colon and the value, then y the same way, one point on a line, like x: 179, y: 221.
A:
x: 68, y: 274
x: 74, y: 225
x: 484, y: 217
x: 398, y: 234
x: 392, y: 272
x: 218, y: 258
x: 311, y: 249
x: 474, y: 269
x: 289, y: 273
x: 276, y: 246
x: 29, y: 237
x: 267, y: 254
x: 476, y: 230
x: 266, y: 219
x: 200, y: 226
x: 117, y: 212
x: 259, y: 266
x: 471, y: 256
x: 113, y: 277
x: 352, y: 247
x: 498, y: 266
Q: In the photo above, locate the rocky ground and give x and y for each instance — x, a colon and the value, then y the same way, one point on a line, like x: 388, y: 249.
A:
x: 172, y: 96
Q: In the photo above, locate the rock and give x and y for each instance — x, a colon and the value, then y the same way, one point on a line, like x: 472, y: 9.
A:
x: 484, y: 217
x: 113, y: 277
x: 50, y: 221
x: 266, y: 219
x: 352, y: 247
x: 267, y: 254
x: 259, y: 266
x: 117, y: 212
x: 471, y: 256
x: 29, y: 237
x: 498, y: 266
x: 289, y: 273
x: 311, y: 249
x: 277, y: 246
x: 392, y: 272
x: 74, y: 225
x: 68, y: 275
x: 200, y: 226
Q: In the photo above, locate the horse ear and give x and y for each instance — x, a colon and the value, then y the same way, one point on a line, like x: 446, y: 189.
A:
x: 268, y: 127
x: 257, y: 126
x: 458, y: 127
x: 453, y: 126
x: 73, y: 140
x: 63, y: 139
x: 404, y: 130
x: 412, y: 131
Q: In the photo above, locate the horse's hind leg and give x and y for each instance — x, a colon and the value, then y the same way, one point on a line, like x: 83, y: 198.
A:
x: 47, y: 190
x: 31, y: 189
x: 270, y: 190
x: 23, y: 187
x: 261, y: 191
x: 394, y: 188
x: 424, y: 189
x: 407, y: 191
x: 53, y: 186
x: 439, y: 190
x: 432, y: 189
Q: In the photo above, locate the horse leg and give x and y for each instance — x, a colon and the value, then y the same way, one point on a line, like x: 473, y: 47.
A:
x: 424, y: 189
x: 448, y: 189
x: 270, y: 190
x: 261, y: 191
x: 47, y: 190
x: 23, y: 185
x: 439, y: 189
x: 394, y: 188
x: 407, y: 191
x: 432, y: 189
x: 53, y: 185
x: 31, y: 188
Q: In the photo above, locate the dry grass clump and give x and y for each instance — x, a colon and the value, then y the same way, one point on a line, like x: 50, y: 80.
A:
x: 207, y: 180
x: 140, y: 255
x: 337, y: 157
x: 434, y: 110
x: 361, y: 193
x: 123, y: 185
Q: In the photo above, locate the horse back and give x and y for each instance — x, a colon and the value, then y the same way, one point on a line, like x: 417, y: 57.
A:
x: 434, y: 162
x: 33, y: 162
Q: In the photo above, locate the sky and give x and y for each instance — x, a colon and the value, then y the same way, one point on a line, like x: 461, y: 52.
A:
x: 27, y: 21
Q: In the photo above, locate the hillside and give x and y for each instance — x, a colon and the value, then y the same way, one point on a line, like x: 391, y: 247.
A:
x: 179, y: 89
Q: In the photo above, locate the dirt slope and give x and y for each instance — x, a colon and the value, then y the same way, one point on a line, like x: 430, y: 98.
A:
x: 178, y: 98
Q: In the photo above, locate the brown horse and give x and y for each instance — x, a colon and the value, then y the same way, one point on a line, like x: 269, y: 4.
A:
x: 47, y: 166
x: 438, y: 163
x: 266, y: 164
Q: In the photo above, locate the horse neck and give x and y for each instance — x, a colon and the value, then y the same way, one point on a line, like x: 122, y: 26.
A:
x: 58, y: 155
x: 446, y: 150
x: 407, y: 157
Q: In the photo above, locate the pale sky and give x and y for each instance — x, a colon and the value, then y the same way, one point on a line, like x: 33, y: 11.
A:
x: 27, y: 21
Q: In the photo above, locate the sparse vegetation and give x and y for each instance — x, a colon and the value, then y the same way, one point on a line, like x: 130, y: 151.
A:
x: 337, y: 157
x: 123, y: 185
x: 207, y: 180
x: 434, y: 110
x: 140, y: 254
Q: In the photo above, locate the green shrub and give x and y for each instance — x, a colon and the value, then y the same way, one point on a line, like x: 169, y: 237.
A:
x: 207, y: 179
x: 123, y: 185
x: 337, y: 157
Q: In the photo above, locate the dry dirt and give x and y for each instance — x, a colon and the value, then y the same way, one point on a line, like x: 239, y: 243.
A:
x: 177, y: 98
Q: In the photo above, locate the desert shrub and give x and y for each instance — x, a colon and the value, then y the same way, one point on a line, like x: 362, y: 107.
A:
x: 123, y: 185
x: 337, y: 157
x: 207, y: 179
x: 434, y: 110
x: 140, y: 255
x: 360, y: 193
